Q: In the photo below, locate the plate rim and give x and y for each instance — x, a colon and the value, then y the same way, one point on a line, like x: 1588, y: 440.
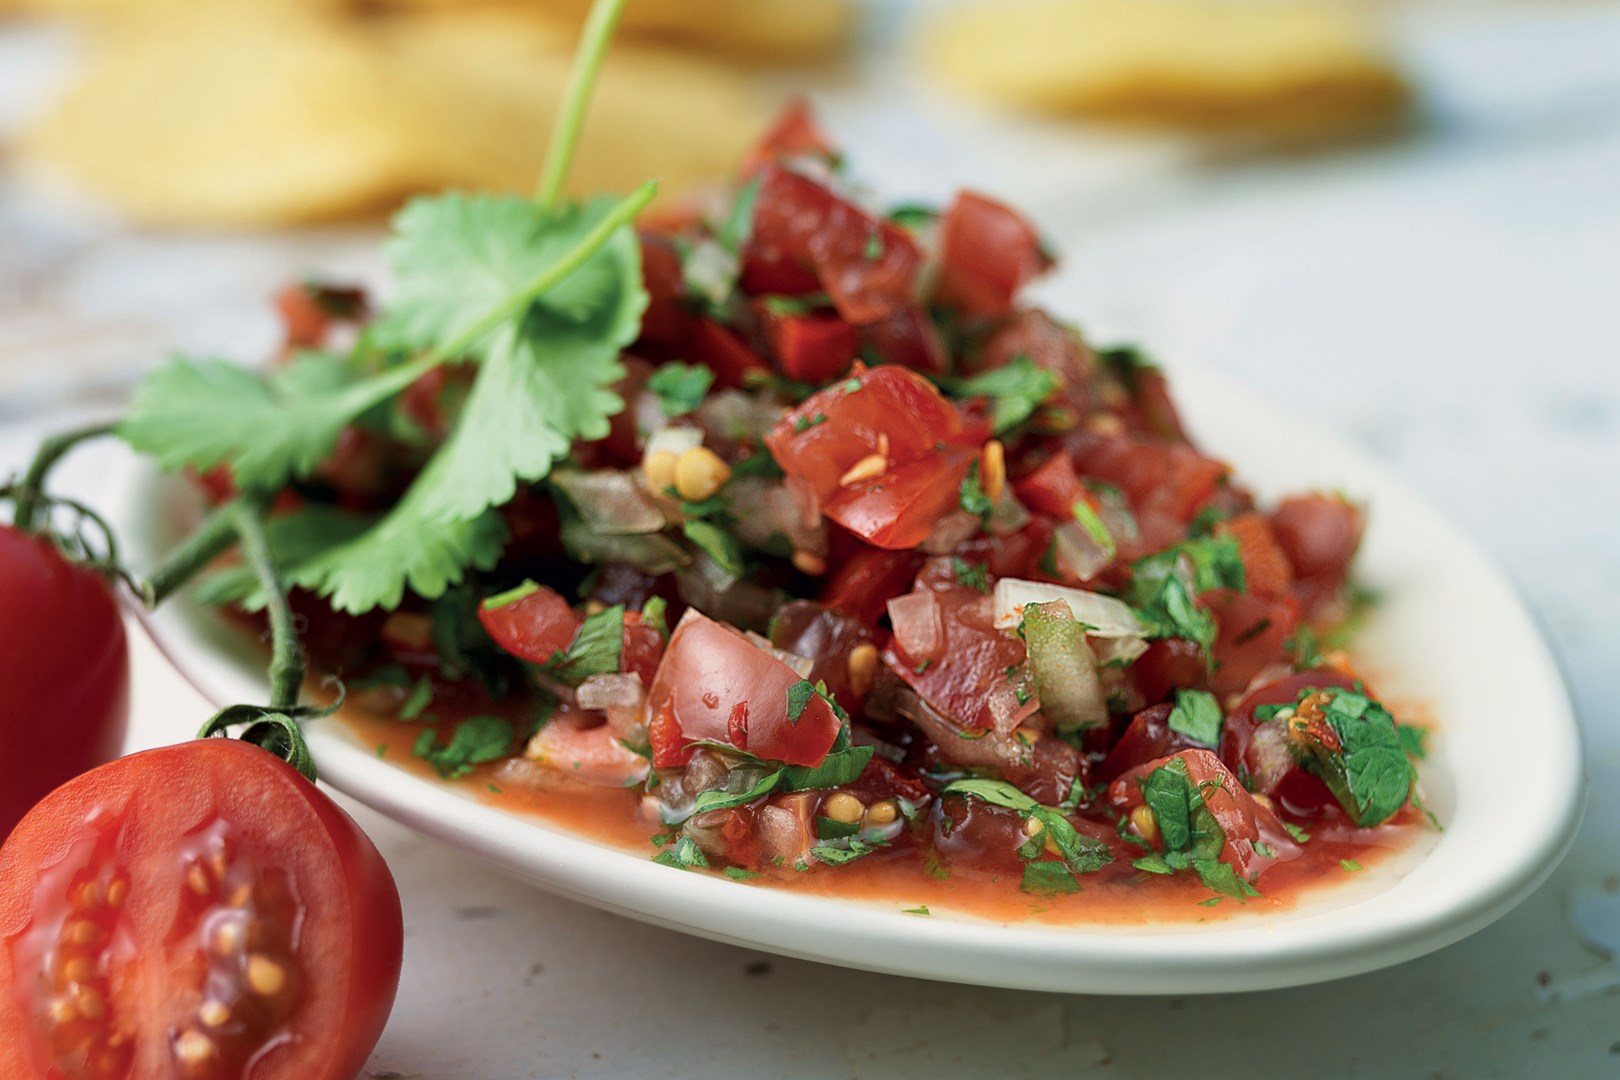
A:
x: 1245, y: 953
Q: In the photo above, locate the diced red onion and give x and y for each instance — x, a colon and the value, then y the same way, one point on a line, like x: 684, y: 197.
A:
x: 674, y: 440
x: 1076, y: 552
x: 1106, y: 616
x: 950, y: 532
x: 918, y: 627
x: 610, y: 501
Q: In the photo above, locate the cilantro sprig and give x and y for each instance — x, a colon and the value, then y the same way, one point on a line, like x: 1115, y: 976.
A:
x: 1191, y: 837
x: 1081, y: 854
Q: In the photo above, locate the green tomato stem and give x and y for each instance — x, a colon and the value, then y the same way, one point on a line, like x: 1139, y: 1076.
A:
x: 286, y: 655
x: 216, y: 535
x: 29, y: 489
x: 565, y: 132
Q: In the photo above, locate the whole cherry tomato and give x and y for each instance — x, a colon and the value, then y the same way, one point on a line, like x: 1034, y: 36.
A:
x: 64, y: 695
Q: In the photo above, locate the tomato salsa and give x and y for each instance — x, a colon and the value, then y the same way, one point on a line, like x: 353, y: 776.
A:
x: 877, y: 582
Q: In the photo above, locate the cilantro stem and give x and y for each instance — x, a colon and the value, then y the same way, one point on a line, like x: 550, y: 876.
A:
x: 565, y: 131
x: 622, y: 214
x: 28, y: 490
x: 286, y: 655
x: 216, y: 535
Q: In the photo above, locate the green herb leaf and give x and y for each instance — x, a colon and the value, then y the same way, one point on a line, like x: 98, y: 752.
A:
x: 719, y: 544
x: 1190, y: 835
x: 1197, y: 715
x: 726, y: 798
x: 1083, y: 854
x: 294, y: 539
x: 837, y: 769
x: 420, y: 697
x: 1368, y: 772
x: 973, y: 575
x: 685, y: 855
x: 798, y: 699
x: 737, y: 873
x: 1015, y: 390
x: 1048, y: 877
x: 838, y: 856
x: 973, y: 498
x: 1414, y: 740
x: 828, y: 829
x: 920, y: 909
x: 475, y: 740
x: 595, y: 650
x: 680, y: 388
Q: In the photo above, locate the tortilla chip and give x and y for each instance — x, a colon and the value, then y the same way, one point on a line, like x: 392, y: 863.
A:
x: 226, y: 114
x: 1210, y: 62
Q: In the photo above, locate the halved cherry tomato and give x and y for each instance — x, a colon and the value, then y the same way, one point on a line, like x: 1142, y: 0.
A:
x: 826, y: 637
x: 64, y: 700
x: 813, y: 347
x: 989, y: 252
x: 195, y: 911
x: 866, y: 265
x: 714, y: 684
x: 534, y: 626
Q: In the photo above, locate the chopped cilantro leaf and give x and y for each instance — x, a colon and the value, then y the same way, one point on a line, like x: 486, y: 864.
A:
x: 874, y: 246
x: 1197, y: 715
x: 739, y: 224
x: 1088, y: 520
x: 654, y: 613
x: 420, y: 697
x: 737, y: 792
x: 1048, y: 877
x: 838, y: 856
x: 510, y: 596
x: 737, y: 873
x: 685, y: 855
x: 973, y: 575
x: 973, y: 498
x: 595, y: 650
x: 1015, y: 390
x: 836, y: 769
x: 1349, y: 866
x: 798, y: 699
x: 717, y: 543
x: 1190, y: 835
x: 475, y: 740
x: 1082, y: 853
x: 680, y: 387
x: 828, y: 829
x: 1300, y: 835
x: 920, y: 909
x: 1414, y: 740
x: 1367, y: 771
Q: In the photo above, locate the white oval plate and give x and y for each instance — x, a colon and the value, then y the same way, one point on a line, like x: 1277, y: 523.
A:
x: 1504, y: 773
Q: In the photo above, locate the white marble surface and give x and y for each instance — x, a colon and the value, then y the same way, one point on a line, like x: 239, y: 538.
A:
x: 1448, y: 298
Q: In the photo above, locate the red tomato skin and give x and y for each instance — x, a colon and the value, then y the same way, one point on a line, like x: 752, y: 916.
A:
x: 1250, y: 632
x: 908, y: 338
x: 724, y: 353
x: 351, y: 937
x: 533, y: 628
x: 1319, y: 535
x: 899, y: 509
x: 709, y: 668
x: 794, y: 133
x: 989, y: 252
x: 643, y: 647
x: 867, y: 266
x: 812, y: 348
x: 975, y: 655
x: 865, y: 582
x: 666, y: 322
x: 1052, y: 488
x: 1266, y: 571
x: 64, y: 702
x: 1241, y: 723
x: 1048, y: 345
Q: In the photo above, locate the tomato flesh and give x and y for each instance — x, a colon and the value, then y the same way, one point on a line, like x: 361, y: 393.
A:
x: 810, y: 348
x: 990, y: 252
x: 866, y: 265
x: 716, y: 685
x: 64, y: 700
x: 188, y: 911
x: 534, y: 627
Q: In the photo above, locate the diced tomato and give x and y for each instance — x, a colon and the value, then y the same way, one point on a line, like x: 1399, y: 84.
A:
x: 1169, y: 664
x: 885, y: 411
x: 908, y: 338
x: 533, y: 627
x: 814, y: 347
x: 977, y: 656
x: 795, y: 133
x: 774, y: 275
x: 1249, y: 634
x: 724, y: 353
x: 643, y: 648
x: 989, y: 252
x: 882, y: 779
x: 1168, y: 479
x: 670, y: 750
x: 709, y: 669
x: 1150, y: 410
x: 1237, y: 736
x: 1319, y: 535
x: 1048, y: 345
x: 826, y: 637
x: 308, y: 311
x: 866, y: 265
x: 666, y: 321
x: 1053, y: 488
x: 900, y: 508
x: 1265, y: 567
x: 1245, y: 822
x: 864, y: 582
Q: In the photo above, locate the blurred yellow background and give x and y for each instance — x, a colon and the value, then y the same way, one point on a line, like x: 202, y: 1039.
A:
x: 259, y: 113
